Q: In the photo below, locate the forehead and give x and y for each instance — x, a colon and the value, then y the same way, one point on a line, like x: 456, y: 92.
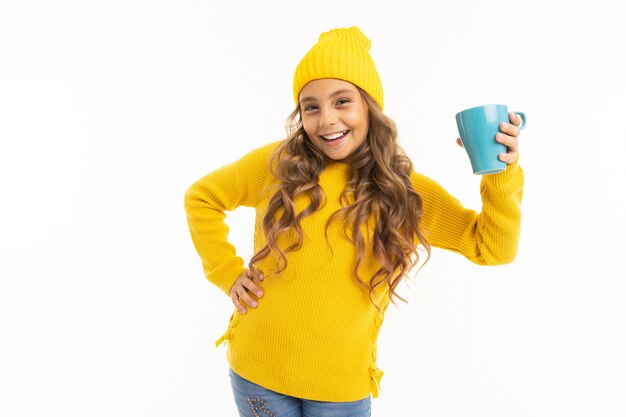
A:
x: 323, y: 87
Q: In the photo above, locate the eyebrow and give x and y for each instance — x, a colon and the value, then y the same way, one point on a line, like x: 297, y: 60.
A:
x: 336, y: 93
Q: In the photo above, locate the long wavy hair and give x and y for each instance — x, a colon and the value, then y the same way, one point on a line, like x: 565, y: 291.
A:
x: 379, y: 193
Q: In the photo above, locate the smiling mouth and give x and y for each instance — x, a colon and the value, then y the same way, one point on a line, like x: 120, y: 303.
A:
x: 336, y: 136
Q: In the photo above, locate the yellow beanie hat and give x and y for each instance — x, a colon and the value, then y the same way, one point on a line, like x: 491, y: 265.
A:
x: 342, y: 54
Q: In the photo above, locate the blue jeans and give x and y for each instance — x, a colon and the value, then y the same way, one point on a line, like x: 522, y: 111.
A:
x: 255, y: 401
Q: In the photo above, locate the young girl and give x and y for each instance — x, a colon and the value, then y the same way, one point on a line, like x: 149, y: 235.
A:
x: 340, y: 213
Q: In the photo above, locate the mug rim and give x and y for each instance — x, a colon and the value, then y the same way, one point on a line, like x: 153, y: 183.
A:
x: 481, y: 106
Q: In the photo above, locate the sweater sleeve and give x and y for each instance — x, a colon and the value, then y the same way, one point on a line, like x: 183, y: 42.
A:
x: 240, y: 183
x: 487, y: 238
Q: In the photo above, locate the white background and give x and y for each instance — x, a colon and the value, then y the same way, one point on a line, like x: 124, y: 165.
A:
x: 110, y: 110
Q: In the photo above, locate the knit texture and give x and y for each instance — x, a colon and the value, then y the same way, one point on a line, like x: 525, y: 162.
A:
x: 342, y: 54
x: 314, y: 332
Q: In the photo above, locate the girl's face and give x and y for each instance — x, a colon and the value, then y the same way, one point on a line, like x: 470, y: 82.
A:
x: 334, y: 116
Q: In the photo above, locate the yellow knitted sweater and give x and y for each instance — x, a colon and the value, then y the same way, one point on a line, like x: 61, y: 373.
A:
x: 313, y: 334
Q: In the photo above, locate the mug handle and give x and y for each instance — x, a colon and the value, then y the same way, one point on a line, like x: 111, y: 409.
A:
x: 523, y: 116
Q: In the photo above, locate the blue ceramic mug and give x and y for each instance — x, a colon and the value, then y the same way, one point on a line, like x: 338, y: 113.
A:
x: 478, y: 127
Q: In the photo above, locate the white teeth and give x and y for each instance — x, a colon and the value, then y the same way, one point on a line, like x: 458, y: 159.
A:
x: 335, y: 136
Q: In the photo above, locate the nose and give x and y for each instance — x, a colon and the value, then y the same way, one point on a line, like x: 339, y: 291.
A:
x: 327, y: 117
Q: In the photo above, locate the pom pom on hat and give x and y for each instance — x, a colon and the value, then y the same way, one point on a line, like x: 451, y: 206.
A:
x: 342, y: 54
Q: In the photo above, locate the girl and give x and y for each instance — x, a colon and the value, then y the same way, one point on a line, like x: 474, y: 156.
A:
x: 340, y: 213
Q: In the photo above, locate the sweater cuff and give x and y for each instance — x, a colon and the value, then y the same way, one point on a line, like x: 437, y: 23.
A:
x: 226, y: 274
x: 504, y: 178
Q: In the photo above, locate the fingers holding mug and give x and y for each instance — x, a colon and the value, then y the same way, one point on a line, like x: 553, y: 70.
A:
x: 518, y: 119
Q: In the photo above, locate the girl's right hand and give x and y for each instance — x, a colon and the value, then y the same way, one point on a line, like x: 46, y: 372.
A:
x: 247, y: 282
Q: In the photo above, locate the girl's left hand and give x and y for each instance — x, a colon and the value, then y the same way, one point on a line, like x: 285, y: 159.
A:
x: 509, y: 136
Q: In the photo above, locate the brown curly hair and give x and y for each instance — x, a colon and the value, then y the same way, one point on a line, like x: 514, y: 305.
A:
x: 379, y: 192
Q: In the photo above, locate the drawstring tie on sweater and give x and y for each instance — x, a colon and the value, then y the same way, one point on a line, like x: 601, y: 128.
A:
x: 375, y: 375
x: 227, y: 336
